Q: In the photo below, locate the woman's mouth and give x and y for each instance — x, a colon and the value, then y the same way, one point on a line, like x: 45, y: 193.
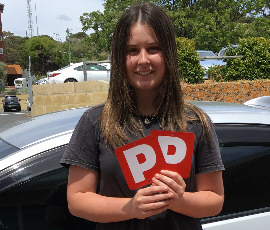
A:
x: 144, y: 73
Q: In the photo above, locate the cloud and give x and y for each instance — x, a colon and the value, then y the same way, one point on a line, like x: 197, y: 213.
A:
x: 64, y: 17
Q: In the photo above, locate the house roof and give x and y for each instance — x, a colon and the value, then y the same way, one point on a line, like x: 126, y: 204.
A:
x: 14, y: 69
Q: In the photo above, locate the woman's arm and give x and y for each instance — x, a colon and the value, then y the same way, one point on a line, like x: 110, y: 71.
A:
x: 84, y: 202
x: 207, y: 201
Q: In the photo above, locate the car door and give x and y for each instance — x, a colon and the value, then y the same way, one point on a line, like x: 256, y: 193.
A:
x: 245, y: 150
x: 97, y: 72
x: 33, y: 195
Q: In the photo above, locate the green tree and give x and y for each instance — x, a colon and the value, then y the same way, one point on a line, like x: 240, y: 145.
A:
x: 211, y: 23
x: 46, y: 54
x: 188, y: 61
x: 103, y: 25
x: 255, y: 63
x: 79, y: 47
x: 12, y: 47
x: 214, y: 24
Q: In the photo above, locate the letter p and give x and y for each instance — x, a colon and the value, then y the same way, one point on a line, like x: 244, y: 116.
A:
x: 136, y: 168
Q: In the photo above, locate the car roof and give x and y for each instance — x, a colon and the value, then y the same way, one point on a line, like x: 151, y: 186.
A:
x: 49, y: 131
x: 44, y: 126
x: 233, y: 113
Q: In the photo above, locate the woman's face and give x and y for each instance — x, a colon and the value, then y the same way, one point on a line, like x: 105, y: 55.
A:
x: 145, y: 65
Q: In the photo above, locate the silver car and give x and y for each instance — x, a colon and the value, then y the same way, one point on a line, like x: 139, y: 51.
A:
x: 33, y: 183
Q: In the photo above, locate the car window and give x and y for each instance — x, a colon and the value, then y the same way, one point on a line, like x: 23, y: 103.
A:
x: 245, y: 151
x: 11, y: 99
x: 40, y: 203
x: 6, y: 149
x: 206, y: 53
x: 79, y: 68
x: 95, y: 67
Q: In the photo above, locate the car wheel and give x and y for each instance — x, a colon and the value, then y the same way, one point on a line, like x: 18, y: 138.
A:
x: 5, y: 110
x: 70, y: 80
x: 19, y: 110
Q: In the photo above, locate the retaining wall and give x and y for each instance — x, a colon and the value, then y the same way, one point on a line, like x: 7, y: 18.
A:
x: 236, y: 92
x: 56, y: 97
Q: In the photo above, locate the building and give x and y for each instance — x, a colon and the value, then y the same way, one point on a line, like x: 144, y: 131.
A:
x: 2, y: 48
x: 13, y: 72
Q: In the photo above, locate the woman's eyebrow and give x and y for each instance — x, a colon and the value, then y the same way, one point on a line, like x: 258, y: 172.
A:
x: 151, y: 43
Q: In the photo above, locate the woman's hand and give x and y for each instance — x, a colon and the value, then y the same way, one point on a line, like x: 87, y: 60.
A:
x: 175, y: 183
x: 151, y: 201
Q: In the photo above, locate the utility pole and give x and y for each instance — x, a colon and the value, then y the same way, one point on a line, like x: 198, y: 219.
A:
x: 84, y: 70
x: 30, y: 92
x: 68, y: 39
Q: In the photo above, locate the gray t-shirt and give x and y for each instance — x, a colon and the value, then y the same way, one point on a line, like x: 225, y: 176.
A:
x: 87, y: 149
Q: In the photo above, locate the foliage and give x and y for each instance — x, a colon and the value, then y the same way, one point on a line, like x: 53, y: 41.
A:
x: 188, y: 61
x: 45, y: 53
x: 216, y: 72
x: 3, y: 71
x: 103, y: 25
x: 12, y: 47
x: 212, y: 24
x: 255, y: 63
x: 78, y: 46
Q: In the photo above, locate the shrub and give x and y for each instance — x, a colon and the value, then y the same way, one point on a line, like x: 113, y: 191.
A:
x: 216, y: 72
x: 188, y: 61
x: 255, y: 63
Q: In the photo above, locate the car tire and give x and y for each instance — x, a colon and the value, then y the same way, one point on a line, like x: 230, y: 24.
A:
x: 5, y: 110
x: 70, y: 80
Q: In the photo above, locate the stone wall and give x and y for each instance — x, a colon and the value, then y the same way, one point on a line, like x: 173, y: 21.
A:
x: 56, y: 97
x: 237, y: 92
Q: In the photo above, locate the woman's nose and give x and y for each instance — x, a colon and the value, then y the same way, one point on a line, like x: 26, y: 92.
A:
x: 143, y: 57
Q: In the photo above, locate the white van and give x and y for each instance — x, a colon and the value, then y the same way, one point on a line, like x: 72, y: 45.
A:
x: 20, y: 83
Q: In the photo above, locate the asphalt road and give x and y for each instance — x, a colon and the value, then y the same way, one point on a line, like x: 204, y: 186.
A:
x: 8, y: 118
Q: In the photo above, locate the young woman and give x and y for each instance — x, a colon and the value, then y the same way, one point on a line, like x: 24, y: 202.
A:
x: 144, y: 95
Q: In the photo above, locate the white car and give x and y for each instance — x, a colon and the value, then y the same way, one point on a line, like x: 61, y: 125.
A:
x: 74, y: 73
x: 207, y: 62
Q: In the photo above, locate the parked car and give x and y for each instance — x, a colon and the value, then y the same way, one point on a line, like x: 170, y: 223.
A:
x: 11, y: 102
x: 74, y: 73
x: 42, y: 81
x: 20, y: 83
x: 33, y: 183
x: 224, y: 49
x: 207, y: 63
x: 56, y: 72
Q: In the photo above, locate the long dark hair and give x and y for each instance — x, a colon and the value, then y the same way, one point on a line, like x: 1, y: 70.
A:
x: 118, y: 114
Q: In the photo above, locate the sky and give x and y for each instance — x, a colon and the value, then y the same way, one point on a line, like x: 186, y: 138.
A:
x: 49, y: 17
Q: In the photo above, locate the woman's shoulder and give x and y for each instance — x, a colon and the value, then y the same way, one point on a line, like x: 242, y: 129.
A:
x: 93, y: 113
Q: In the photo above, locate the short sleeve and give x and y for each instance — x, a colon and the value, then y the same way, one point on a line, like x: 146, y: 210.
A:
x: 82, y: 149
x: 208, y: 157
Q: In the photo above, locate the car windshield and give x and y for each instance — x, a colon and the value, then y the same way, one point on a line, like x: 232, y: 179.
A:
x: 11, y: 99
x: 204, y: 53
x: 40, y: 127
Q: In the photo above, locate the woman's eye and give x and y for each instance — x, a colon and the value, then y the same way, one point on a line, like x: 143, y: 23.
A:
x: 132, y: 51
x: 154, y: 49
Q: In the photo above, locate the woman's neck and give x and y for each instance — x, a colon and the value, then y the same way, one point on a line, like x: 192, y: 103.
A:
x: 145, y: 103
